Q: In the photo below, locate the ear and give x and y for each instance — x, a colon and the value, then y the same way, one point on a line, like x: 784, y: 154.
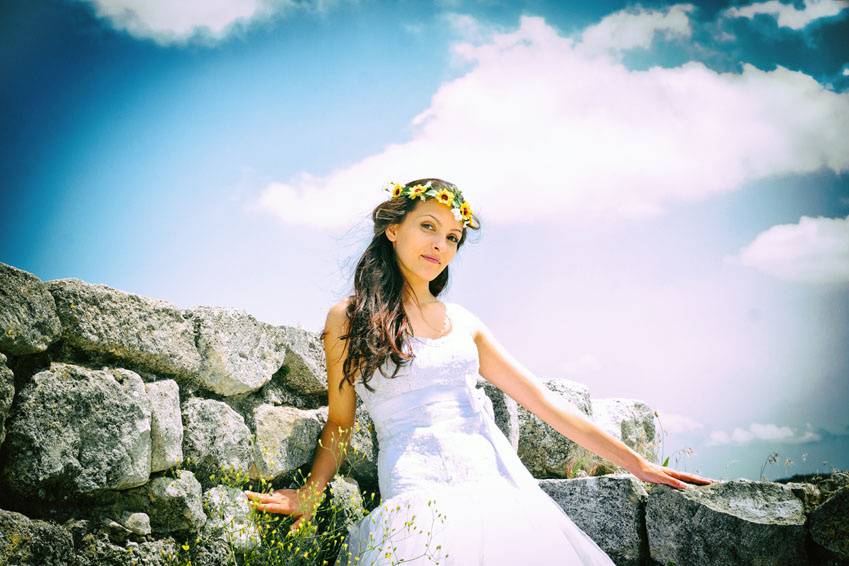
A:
x: 392, y: 232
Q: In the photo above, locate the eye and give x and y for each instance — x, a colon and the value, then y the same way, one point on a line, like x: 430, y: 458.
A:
x: 456, y: 240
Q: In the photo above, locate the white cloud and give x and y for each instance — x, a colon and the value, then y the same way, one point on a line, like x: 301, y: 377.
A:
x: 846, y: 71
x: 168, y: 22
x: 629, y: 29
x: 722, y: 35
x: 676, y: 424
x: 537, y: 119
x: 816, y: 250
x: 764, y: 432
x: 787, y: 15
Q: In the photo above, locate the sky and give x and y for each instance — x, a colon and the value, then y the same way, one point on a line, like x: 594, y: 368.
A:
x: 662, y: 188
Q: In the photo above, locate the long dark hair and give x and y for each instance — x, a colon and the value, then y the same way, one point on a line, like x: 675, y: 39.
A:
x: 377, y: 325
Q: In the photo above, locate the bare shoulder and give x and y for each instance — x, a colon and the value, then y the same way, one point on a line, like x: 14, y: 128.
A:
x: 336, y: 322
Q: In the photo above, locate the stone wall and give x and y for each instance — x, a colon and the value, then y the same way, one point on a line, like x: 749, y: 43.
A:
x: 118, y: 414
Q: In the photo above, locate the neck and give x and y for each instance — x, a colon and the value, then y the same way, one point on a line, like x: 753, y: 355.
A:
x: 418, y: 297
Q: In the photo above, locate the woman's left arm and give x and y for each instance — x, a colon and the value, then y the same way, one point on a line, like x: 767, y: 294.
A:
x: 506, y: 373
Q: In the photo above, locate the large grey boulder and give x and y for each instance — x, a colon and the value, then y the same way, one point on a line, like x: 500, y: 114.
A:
x: 361, y: 458
x: 173, y: 503
x: 96, y: 549
x: 229, y: 518
x: 7, y: 395
x: 608, y: 508
x: 25, y: 541
x: 127, y: 524
x: 733, y: 522
x: 286, y: 438
x: 105, y: 323
x: 239, y: 354
x: 305, y: 364
x: 215, y: 439
x: 829, y: 523
x: 543, y: 450
x: 629, y: 420
x: 166, y: 425
x: 28, y: 320
x: 77, y: 431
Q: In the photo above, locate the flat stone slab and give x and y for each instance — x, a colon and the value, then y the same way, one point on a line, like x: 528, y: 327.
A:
x: 733, y: 522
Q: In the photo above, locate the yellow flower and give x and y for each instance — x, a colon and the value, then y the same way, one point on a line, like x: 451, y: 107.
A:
x: 397, y: 189
x: 444, y: 196
x: 417, y: 191
x: 466, y: 210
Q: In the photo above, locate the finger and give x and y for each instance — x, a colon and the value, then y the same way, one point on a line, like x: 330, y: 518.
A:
x: 267, y: 498
x: 692, y: 478
x: 669, y: 479
x: 260, y: 498
x: 272, y: 508
x: 255, y: 496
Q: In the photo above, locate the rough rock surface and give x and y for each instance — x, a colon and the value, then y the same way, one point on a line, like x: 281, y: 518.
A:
x: 7, y: 394
x: 608, y: 508
x: 166, y: 425
x: 146, y: 333
x: 733, y: 522
x: 76, y: 431
x: 306, y: 368
x: 286, y: 439
x: 28, y: 319
x: 361, y: 460
x: 543, y: 450
x: 215, y: 439
x: 239, y: 354
x: 96, y: 549
x: 629, y: 420
x: 25, y: 541
x: 829, y: 523
x: 228, y: 517
x: 174, y: 504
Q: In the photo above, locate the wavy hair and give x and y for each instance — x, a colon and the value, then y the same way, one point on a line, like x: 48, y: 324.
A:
x: 377, y: 325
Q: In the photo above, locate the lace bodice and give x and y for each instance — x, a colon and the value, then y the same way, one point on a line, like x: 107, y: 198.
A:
x: 448, y: 361
x: 428, y: 418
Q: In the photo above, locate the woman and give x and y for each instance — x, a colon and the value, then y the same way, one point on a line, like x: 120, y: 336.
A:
x: 452, y: 489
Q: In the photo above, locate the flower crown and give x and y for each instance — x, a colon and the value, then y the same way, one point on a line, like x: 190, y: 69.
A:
x: 452, y: 198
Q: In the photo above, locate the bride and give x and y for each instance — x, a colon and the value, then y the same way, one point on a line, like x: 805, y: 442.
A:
x: 414, y: 360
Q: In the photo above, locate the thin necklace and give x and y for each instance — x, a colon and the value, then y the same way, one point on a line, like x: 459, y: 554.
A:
x: 444, y: 322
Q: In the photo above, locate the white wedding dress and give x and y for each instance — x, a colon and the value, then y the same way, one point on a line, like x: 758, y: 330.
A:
x: 453, y: 491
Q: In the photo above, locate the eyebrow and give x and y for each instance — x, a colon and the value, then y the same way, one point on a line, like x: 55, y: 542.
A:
x: 440, y: 223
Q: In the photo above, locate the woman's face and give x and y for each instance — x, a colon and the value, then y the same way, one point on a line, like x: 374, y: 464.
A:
x: 428, y: 230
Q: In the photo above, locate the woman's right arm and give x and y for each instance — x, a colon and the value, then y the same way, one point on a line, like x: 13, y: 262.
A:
x: 335, y: 437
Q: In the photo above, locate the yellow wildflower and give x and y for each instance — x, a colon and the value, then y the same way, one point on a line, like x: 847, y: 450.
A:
x: 417, y: 191
x: 444, y: 196
x: 466, y: 210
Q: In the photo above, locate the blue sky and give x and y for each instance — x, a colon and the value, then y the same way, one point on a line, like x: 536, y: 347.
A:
x: 663, y: 187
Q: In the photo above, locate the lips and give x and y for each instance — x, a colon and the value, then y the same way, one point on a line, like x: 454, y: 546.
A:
x: 431, y: 259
